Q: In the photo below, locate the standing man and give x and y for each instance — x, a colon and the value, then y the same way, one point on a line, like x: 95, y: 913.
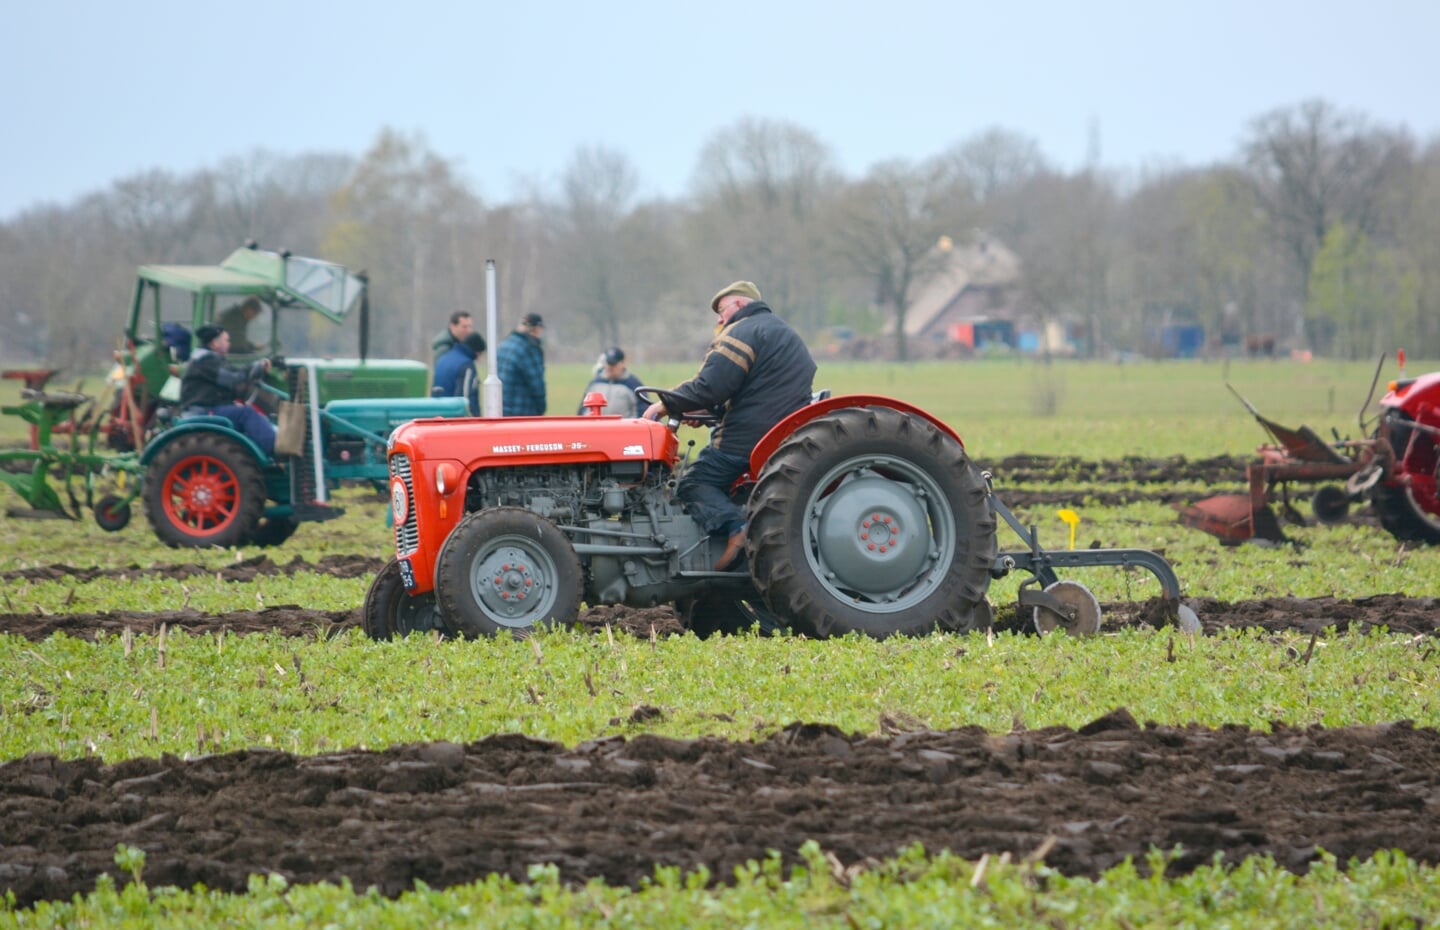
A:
x: 455, y: 372
x: 617, y: 384
x: 236, y: 319
x: 520, y: 363
x: 756, y: 372
x: 212, y: 385
x: 461, y: 325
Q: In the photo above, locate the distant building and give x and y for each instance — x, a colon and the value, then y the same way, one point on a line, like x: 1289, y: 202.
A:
x: 970, y: 304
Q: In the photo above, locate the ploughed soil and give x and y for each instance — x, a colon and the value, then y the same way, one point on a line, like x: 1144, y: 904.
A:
x: 1081, y: 800
x: 443, y: 813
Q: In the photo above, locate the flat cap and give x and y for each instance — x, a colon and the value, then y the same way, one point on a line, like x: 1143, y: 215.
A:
x: 743, y: 288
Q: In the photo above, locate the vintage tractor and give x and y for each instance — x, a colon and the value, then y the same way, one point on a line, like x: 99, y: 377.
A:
x: 1401, y: 481
x: 1395, y: 469
x: 865, y: 515
x: 203, y: 483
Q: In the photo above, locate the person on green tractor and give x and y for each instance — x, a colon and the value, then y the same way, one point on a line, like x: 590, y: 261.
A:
x: 211, y: 385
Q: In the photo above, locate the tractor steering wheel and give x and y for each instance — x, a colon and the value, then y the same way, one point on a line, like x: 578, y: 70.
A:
x: 702, y: 418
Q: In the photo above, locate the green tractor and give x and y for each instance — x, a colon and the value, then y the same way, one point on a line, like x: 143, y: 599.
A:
x: 203, y: 482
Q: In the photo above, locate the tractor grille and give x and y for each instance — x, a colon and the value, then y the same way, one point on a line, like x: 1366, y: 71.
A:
x: 407, y: 534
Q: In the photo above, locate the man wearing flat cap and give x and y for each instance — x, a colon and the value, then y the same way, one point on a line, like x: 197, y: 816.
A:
x: 520, y: 365
x: 756, y: 372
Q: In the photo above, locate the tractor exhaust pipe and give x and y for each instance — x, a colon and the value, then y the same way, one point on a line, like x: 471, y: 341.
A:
x: 491, y: 391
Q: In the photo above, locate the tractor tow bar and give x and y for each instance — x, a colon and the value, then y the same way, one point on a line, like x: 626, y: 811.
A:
x: 1056, y: 597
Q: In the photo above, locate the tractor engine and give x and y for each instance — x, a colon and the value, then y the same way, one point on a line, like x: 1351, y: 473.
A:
x: 633, y: 539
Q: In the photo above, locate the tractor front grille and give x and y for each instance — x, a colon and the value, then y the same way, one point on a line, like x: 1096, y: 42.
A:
x: 407, y: 534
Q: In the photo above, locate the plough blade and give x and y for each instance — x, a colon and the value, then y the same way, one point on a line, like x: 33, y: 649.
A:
x: 1234, y: 519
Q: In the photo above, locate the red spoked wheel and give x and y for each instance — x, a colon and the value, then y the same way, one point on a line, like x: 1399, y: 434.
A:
x: 204, y: 490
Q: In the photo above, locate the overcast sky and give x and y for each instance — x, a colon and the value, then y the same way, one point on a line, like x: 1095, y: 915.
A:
x: 95, y: 91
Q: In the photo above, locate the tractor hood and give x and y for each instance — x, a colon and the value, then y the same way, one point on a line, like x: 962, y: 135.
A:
x: 287, y: 280
x: 497, y: 442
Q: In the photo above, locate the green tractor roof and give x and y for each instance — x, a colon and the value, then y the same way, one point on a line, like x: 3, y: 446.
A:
x: 280, y: 278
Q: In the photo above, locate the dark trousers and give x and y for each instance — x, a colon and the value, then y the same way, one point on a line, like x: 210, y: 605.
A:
x: 705, y: 488
x: 251, y: 422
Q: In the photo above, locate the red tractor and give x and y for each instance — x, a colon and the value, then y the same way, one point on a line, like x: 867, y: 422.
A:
x: 865, y: 515
x: 1401, y: 480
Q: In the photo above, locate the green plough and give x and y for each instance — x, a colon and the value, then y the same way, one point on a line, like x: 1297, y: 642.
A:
x: 110, y: 480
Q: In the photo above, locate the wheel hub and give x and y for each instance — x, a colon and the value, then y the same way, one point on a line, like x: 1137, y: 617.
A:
x: 513, y: 586
x: 872, y: 535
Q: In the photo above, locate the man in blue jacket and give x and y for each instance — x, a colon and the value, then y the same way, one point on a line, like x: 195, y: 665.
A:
x: 520, y: 363
x: 455, y: 371
x: 756, y: 372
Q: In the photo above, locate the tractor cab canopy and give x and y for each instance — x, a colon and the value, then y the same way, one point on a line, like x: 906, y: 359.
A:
x: 250, y: 293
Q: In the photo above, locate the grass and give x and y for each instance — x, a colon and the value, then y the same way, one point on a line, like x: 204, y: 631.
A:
x: 146, y: 695
x: 912, y: 890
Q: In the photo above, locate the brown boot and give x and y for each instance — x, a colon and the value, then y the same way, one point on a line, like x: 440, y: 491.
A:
x: 734, y: 549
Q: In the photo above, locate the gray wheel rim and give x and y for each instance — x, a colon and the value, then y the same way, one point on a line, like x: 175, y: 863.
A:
x: 513, y: 580
x: 879, y: 533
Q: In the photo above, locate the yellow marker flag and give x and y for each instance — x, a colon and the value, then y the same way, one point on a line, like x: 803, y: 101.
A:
x: 1072, y: 518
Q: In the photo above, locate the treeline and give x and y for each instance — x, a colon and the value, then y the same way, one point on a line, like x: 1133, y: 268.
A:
x: 1322, y: 232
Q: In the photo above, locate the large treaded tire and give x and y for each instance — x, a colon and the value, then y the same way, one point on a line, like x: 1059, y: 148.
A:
x: 874, y: 521
x: 389, y: 610
x: 507, y: 569
x: 1406, y: 511
x: 204, y: 490
x: 1403, y: 517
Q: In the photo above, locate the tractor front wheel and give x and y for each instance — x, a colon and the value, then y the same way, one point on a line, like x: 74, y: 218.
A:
x: 390, y: 611
x: 507, y: 568
x: 204, y: 490
x: 874, y: 521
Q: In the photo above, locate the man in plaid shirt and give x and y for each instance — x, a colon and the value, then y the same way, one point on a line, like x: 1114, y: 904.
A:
x: 520, y: 361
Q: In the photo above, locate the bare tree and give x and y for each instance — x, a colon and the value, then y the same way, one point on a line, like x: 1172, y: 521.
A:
x: 995, y: 161
x: 396, y: 217
x: 760, y: 187
x: 1312, y: 166
x: 888, y: 228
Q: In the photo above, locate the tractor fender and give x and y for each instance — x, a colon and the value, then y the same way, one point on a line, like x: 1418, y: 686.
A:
x: 781, y: 431
x: 1416, y: 396
x: 201, y: 424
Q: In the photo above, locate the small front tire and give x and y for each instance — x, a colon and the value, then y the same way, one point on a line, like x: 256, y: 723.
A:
x: 390, y: 611
x: 507, y: 569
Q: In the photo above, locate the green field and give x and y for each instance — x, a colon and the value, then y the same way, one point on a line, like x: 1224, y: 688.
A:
x: 115, y: 698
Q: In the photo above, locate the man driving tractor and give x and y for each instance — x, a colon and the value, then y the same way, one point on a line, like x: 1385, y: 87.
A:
x: 211, y: 385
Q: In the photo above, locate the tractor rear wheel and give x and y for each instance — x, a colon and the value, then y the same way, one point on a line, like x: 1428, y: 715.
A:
x: 390, y: 611
x: 1401, y: 513
x: 204, y: 490
x: 874, y: 521
x: 507, y: 568
x: 1407, y: 501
